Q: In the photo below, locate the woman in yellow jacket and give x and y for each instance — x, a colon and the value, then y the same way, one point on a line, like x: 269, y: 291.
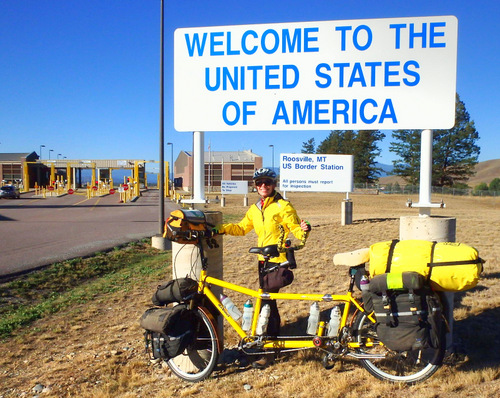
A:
x: 265, y: 217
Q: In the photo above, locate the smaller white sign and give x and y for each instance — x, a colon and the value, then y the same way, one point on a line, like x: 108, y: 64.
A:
x: 316, y: 172
x: 228, y: 187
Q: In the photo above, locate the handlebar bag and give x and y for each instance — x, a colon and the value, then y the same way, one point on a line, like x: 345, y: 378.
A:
x: 175, y: 291
x: 181, y: 223
x: 168, y: 330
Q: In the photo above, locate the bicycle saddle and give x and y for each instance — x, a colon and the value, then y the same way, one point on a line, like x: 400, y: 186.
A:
x: 266, y: 251
x: 352, y: 259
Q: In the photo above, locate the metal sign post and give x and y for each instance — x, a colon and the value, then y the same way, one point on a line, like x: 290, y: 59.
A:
x: 424, y: 200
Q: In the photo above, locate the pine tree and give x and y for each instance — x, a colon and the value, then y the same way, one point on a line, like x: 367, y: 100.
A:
x: 308, y: 146
x: 454, y: 151
x: 407, y: 147
x: 361, y: 144
x: 338, y: 142
x: 365, y: 152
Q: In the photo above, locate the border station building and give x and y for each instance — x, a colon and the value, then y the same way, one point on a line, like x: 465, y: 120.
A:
x: 12, y: 168
x: 219, y: 165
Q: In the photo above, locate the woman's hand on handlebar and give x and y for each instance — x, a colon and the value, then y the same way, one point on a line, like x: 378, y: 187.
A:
x: 305, y: 225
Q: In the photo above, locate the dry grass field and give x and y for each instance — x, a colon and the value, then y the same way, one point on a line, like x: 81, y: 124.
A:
x: 96, y: 349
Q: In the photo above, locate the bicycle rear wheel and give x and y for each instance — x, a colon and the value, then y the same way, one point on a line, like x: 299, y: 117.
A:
x: 408, y: 367
x: 199, y: 359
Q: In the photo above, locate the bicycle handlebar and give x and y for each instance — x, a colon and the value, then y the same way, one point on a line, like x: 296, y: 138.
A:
x: 192, y: 235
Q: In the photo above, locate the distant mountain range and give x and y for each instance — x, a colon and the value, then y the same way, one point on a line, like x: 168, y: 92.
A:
x: 386, y: 169
x: 485, y: 172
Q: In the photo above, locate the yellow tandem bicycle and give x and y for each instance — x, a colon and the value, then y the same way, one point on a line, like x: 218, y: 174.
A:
x: 356, y: 338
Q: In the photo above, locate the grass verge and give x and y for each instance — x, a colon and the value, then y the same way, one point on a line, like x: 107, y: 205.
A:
x: 47, y: 291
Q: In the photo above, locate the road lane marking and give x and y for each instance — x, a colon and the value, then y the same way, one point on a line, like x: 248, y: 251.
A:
x: 31, y: 201
x: 81, y: 201
x: 95, y: 204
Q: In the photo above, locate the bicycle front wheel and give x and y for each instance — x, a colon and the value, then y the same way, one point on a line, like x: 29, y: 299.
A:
x: 408, y: 367
x: 199, y: 359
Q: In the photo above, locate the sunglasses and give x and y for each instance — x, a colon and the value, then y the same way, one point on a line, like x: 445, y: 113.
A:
x: 265, y: 182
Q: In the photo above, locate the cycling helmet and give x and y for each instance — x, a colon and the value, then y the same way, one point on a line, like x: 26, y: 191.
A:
x: 264, y: 173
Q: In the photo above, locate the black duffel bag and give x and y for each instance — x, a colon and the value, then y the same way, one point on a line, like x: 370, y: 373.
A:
x: 408, y: 317
x: 169, y: 330
x: 175, y: 291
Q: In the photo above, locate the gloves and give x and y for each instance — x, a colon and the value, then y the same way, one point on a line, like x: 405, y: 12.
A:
x: 305, y: 225
x: 217, y: 230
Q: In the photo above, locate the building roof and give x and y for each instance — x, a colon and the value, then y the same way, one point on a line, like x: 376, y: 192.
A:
x: 229, y: 156
x: 78, y: 163
x: 18, y: 157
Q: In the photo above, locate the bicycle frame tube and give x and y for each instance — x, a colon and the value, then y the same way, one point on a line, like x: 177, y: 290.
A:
x: 261, y: 295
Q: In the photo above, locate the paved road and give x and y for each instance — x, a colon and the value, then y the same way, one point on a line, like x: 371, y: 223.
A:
x: 35, y: 232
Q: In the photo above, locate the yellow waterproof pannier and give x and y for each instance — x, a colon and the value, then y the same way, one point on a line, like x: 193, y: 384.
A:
x: 448, y: 266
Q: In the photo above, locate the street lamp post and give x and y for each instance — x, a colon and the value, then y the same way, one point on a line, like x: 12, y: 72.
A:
x: 59, y: 154
x: 50, y: 150
x: 41, y: 146
x: 272, y: 146
x: 161, y: 185
x: 171, y: 162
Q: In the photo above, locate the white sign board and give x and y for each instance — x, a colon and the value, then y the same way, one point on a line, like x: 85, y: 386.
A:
x: 228, y: 187
x: 397, y: 73
x: 316, y: 173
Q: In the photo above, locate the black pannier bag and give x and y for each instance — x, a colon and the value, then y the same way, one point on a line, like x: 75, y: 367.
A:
x: 410, y: 280
x: 169, y: 330
x: 175, y: 291
x: 408, y: 313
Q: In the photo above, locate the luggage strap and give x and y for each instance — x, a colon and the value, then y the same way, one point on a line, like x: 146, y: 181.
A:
x: 389, y: 314
x: 387, y: 307
x: 461, y: 262
x: 390, y: 254
x: 403, y: 313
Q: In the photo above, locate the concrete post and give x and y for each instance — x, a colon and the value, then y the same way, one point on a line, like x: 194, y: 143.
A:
x: 160, y: 243
x: 346, y: 212
x: 436, y: 229
x: 186, y: 258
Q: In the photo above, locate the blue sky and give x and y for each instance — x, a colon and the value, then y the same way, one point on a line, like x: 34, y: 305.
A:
x: 82, y: 77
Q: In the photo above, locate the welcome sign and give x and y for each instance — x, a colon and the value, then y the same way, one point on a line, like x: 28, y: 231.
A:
x: 397, y: 73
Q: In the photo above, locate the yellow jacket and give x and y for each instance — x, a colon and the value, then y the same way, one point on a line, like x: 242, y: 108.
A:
x: 265, y: 220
